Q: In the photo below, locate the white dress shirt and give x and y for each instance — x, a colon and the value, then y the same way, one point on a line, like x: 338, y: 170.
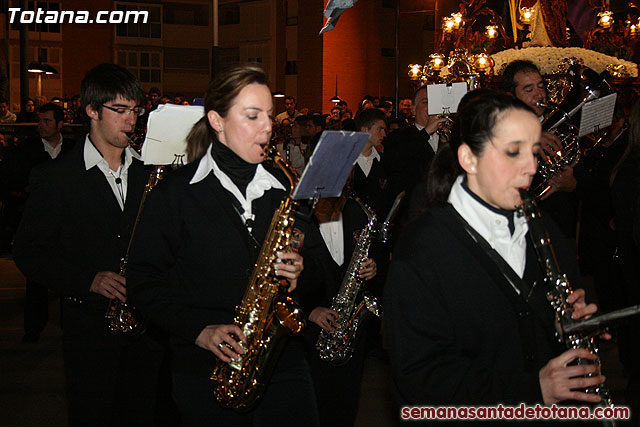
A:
x: 493, y: 226
x: 262, y: 181
x: 117, y: 180
x: 366, y: 162
x: 333, y: 237
x: 53, y: 151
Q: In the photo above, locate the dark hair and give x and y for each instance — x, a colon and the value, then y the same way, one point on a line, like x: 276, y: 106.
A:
x: 4, y: 101
x: 24, y: 102
x: 349, y: 124
x: 368, y: 118
x: 515, y: 67
x: 219, y: 97
x: 105, y: 83
x: 318, y: 120
x: 154, y: 90
x: 290, y: 98
x: 58, y: 112
x: 474, y: 126
x: 632, y: 149
x: 301, y: 120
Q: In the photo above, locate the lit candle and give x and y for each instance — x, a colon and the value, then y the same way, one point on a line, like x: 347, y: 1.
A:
x: 436, y: 61
x: 491, y: 32
x: 605, y: 19
x: 482, y: 62
x: 414, y: 71
x: 526, y: 15
x: 457, y: 20
x: 448, y: 24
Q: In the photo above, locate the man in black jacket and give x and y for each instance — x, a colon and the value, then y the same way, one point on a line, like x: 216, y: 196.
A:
x: 47, y: 146
x: 76, y: 227
x: 409, y: 151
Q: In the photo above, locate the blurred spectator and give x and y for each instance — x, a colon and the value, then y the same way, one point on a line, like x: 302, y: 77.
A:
x: 6, y: 116
x: 79, y: 116
x: 405, y: 112
x: 154, y: 95
x: 290, y: 111
x: 386, y: 107
x: 335, y: 120
x: 28, y: 112
x: 40, y: 101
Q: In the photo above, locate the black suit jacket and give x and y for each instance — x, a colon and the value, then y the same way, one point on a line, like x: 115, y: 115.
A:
x: 29, y: 154
x: 192, y: 259
x: 407, y: 157
x: 73, y: 227
x: 459, y: 334
x: 374, y: 189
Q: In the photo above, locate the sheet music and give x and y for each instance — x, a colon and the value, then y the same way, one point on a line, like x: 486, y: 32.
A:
x: 444, y: 98
x: 330, y: 164
x: 167, y: 131
x: 597, y: 114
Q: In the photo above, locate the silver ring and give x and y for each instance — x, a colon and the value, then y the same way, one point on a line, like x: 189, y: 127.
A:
x: 220, y: 346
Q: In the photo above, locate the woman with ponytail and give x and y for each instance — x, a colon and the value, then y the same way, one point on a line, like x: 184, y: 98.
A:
x: 460, y: 333
x: 195, y: 250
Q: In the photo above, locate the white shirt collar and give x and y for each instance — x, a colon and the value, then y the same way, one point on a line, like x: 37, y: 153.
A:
x: 493, y: 226
x: 366, y: 162
x: 92, y: 156
x: 53, y: 151
x: 262, y: 181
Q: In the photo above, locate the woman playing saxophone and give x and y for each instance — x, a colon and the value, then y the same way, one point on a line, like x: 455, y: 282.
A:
x: 198, y: 240
x: 465, y: 304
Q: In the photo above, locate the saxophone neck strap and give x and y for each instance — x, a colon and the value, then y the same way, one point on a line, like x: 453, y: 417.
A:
x: 523, y: 288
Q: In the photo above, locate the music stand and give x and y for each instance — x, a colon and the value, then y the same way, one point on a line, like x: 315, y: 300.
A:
x: 330, y: 164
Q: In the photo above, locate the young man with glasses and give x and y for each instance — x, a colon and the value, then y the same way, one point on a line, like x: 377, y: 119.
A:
x: 75, y: 229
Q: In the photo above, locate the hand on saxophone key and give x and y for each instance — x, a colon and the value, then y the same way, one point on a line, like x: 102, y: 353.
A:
x: 369, y: 269
x: 110, y: 285
x: 324, y: 317
x: 559, y: 380
x: 290, y: 268
x: 222, y: 341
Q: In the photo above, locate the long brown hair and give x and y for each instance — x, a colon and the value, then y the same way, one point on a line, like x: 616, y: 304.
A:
x: 219, y: 98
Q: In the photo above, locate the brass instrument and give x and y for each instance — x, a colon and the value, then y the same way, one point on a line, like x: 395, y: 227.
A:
x: 559, y: 290
x: 122, y: 318
x: 337, y: 347
x: 584, y: 85
x: 265, y: 315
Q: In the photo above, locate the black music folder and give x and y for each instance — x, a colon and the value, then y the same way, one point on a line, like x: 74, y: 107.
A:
x: 330, y: 164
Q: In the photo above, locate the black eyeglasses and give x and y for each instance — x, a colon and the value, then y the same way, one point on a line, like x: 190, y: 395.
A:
x: 123, y: 110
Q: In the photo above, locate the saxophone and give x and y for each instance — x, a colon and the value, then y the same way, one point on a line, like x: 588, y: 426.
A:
x: 265, y: 315
x: 337, y: 347
x: 122, y: 318
x: 559, y: 290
